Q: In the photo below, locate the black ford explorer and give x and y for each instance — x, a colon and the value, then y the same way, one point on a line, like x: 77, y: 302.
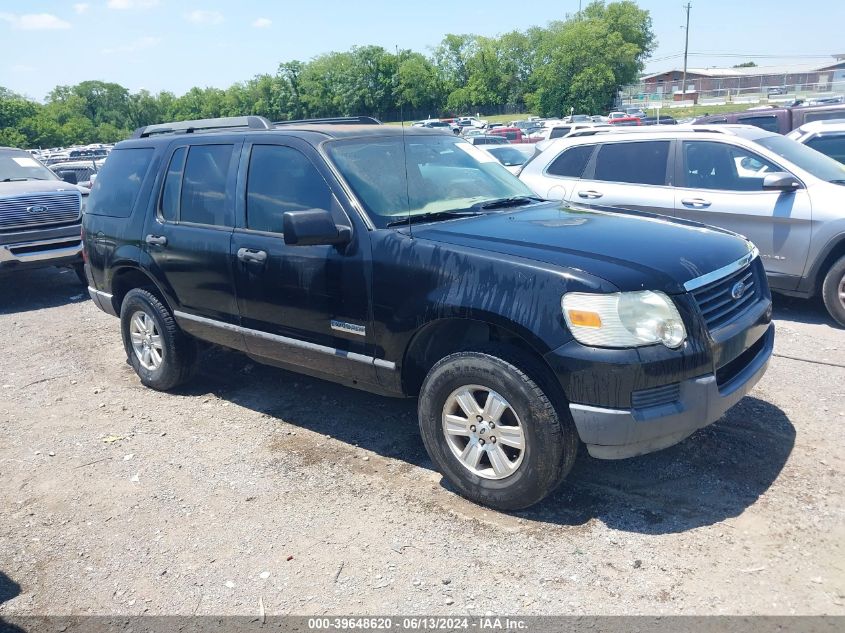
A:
x: 409, y: 263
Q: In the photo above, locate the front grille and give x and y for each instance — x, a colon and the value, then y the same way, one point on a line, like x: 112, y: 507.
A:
x: 656, y: 396
x: 39, y: 210
x: 717, y: 304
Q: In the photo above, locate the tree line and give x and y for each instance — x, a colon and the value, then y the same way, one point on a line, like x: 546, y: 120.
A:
x: 578, y: 63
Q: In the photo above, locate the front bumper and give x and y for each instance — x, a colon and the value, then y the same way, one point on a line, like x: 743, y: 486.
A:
x: 44, y: 247
x: 611, y: 433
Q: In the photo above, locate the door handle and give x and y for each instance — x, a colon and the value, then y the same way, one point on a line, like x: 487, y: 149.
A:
x: 156, y: 240
x: 251, y: 255
x: 696, y: 203
x: 590, y: 194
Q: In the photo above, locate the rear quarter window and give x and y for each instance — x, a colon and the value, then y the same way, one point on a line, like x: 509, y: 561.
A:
x: 769, y: 123
x: 115, y: 191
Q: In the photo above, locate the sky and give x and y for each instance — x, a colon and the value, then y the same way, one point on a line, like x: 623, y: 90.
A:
x: 176, y: 44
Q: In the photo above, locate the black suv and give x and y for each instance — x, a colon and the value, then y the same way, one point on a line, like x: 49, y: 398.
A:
x: 406, y: 262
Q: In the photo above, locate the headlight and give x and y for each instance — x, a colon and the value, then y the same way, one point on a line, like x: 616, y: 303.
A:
x: 623, y: 319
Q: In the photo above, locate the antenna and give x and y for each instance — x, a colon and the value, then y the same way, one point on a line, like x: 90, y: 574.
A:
x: 404, y: 146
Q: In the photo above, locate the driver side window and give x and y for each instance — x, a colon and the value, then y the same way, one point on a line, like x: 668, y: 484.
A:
x: 712, y: 165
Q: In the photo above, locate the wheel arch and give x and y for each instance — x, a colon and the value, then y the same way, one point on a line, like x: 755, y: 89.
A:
x: 126, y: 278
x: 438, y: 338
x: 833, y: 251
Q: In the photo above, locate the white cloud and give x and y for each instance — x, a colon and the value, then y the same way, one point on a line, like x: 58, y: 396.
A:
x: 134, y: 46
x: 131, y: 4
x: 262, y: 23
x: 204, y: 17
x: 35, y: 21
x: 81, y: 7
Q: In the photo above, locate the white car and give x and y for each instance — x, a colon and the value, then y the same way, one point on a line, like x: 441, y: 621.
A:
x: 785, y: 197
x: 827, y: 137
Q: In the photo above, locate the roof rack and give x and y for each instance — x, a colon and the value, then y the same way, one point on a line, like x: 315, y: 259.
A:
x: 337, y: 120
x: 204, y: 125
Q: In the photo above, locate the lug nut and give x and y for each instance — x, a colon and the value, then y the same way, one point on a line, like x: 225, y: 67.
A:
x: 492, y: 425
x: 481, y: 442
x: 493, y: 439
x: 479, y: 418
x: 472, y: 428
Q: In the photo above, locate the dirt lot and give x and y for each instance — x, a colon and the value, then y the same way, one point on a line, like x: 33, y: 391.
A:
x: 256, y: 485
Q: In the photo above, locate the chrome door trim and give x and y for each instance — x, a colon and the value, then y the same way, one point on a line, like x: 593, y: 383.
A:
x: 284, y: 340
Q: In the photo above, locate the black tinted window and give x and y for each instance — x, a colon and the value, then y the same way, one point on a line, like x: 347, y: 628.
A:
x: 709, y: 165
x: 572, y: 162
x: 170, y: 195
x: 641, y: 163
x: 559, y: 132
x: 203, y: 199
x: 281, y: 179
x: 833, y: 145
x: 768, y: 123
x: 119, y: 182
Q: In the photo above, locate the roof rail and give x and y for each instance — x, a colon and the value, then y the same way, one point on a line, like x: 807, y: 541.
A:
x: 204, y: 125
x: 337, y: 120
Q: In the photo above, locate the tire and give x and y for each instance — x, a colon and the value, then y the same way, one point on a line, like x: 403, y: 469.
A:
x: 549, y: 438
x: 833, y: 291
x: 176, y: 351
x: 79, y: 269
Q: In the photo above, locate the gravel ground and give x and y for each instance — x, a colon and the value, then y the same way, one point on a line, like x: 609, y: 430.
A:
x: 257, y: 486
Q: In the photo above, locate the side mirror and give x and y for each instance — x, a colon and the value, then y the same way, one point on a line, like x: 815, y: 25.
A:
x: 68, y: 176
x: 313, y: 227
x: 780, y: 181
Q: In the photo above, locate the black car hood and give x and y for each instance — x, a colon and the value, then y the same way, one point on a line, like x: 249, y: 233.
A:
x: 632, y: 251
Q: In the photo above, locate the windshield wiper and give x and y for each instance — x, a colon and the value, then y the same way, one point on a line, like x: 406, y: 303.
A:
x: 838, y: 181
x: 500, y: 203
x: 433, y: 217
x: 23, y: 179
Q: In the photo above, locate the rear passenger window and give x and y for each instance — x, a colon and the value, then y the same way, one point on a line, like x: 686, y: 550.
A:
x: 768, y: 123
x: 169, y: 208
x: 572, y: 162
x: 641, y: 163
x: 119, y: 182
x: 203, y: 199
x: 281, y: 179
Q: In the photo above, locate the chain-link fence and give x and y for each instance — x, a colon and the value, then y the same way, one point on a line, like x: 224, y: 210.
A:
x: 740, y: 89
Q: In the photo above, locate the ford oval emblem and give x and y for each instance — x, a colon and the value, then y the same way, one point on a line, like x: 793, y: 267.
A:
x: 738, y: 290
x: 37, y: 208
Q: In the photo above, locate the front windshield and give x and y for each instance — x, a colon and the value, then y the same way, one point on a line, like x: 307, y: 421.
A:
x: 808, y: 159
x: 439, y: 174
x: 16, y: 166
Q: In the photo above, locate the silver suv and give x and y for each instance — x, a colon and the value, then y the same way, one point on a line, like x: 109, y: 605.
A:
x: 785, y: 197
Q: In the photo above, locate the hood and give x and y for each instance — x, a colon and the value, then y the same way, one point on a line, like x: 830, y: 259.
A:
x: 23, y: 187
x: 630, y: 250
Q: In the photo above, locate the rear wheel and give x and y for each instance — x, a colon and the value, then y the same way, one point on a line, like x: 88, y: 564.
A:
x: 160, y: 353
x: 833, y: 291
x: 492, y: 430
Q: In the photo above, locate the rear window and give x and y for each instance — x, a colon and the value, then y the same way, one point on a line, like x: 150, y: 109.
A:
x: 559, y: 132
x: 832, y: 145
x: 825, y: 115
x: 641, y: 163
x: 119, y: 181
x: 203, y: 197
x: 572, y: 162
x: 768, y: 123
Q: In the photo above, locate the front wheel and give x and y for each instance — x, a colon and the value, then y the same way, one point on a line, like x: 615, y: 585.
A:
x: 160, y: 353
x: 833, y: 291
x: 492, y: 430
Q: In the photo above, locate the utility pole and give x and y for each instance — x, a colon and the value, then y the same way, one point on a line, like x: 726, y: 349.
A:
x: 686, y: 50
